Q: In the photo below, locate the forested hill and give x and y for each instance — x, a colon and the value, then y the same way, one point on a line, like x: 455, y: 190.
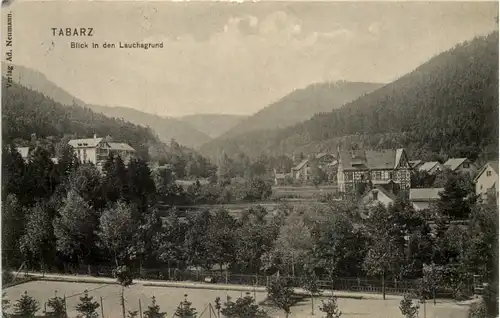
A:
x: 449, y: 105
x: 302, y: 104
x: 166, y: 128
x: 26, y: 112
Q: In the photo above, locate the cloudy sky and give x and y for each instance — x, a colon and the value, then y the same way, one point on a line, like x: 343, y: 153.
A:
x: 234, y: 58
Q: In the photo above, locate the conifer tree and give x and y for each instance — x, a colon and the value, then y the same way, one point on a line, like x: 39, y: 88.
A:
x: 185, y: 310
x: 87, y: 306
x: 153, y: 310
x: 26, y: 306
x: 58, y: 307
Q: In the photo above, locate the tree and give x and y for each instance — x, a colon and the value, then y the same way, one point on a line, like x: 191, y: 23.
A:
x: 37, y: 243
x: 26, y: 306
x: 330, y: 308
x: 408, y: 308
x: 75, y: 227
x: 221, y: 237
x: 115, y: 180
x: 310, y: 283
x: 124, y: 278
x: 86, y: 182
x: 458, y: 196
x: 87, y: 308
x: 141, y: 186
x: 5, y: 305
x: 185, y: 310
x: 244, y: 307
x: 13, y: 224
x: 144, y: 247
x: 197, y: 248
x: 280, y: 292
x: 153, y: 310
x: 432, y: 279
x: 116, y: 231
x: 13, y: 173
x: 43, y: 178
x: 57, y: 306
x: 170, y: 240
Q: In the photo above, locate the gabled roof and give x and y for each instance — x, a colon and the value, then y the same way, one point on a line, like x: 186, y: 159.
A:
x: 120, y: 146
x: 387, y: 193
x: 362, y: 160
x: 427, y: 166
x: 23, y: 151
x: 492, y: 164
x: 84, y: 143
x: 415, y: 163
x: 280, y: 175
x: 454, y: 163
x: 425, y: 194
x: 301, y: 164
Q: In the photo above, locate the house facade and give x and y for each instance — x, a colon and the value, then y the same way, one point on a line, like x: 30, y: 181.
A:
x: 123, y: 150
x: 423, y: 198
x: 302, y: 171
x: 375, y: 167
x: 378, y: 195
x: 462, y: 165
x: 486, y: 181
x: 96, y: 150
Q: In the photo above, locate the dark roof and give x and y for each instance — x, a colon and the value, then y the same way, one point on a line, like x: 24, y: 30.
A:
x: 387, y: 193
x: 369, y: 159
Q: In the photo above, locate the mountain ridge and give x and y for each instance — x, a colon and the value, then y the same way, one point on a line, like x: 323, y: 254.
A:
x: 446, y: 105
x: 167, y: 128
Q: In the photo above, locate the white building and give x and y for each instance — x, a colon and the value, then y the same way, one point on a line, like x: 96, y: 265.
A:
x: 96, y: 150
x: 487, y: 180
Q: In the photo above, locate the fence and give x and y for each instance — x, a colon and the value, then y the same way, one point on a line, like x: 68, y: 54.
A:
x: 357, y: 284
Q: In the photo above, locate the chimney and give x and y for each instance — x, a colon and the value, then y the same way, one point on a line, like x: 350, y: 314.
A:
x: 95, y: 136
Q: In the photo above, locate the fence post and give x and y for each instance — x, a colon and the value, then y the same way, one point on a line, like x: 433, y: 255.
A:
x: 140, y: 308
x: 102, y: 309
x: 226, y: 277
x: 65, y: 307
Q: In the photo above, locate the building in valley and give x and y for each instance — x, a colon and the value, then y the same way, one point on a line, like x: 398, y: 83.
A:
x: 378, y: 194
x: 389, y: 168
x: 486, y: 181
x: 302, y: 171
x: 431, y: 167
x: 123, y: 150
x: 462, y: 165
x: 423, y: 198
x: 415, y: 164
x: 96, y: 150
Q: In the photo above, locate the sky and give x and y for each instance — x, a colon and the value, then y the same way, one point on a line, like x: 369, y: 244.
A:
x: 233, y: 58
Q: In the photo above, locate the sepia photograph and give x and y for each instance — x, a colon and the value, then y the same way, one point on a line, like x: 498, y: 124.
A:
x: 249, y: 159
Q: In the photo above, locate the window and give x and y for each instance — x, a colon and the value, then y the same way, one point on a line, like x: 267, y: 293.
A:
x: 488, y: 174
x: 390, y: 175
x: 375, y: 195
x: 481, y: 187
x: 84, y: 154
x: 466, y: 165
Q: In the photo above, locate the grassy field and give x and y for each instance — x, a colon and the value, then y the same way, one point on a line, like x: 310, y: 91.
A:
x: 169, y: 298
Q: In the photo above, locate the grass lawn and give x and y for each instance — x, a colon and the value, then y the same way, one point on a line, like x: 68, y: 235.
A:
x: 169, y: 298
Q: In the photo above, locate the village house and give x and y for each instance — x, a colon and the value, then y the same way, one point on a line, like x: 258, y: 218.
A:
x: 123, y: 150
x: 279, y: 178
x: 376, y: 195
x: 96, y: 150
x: 423, y: 198
x: 431, y: 167
x: 387, y: 168
x: 486, y: 181
x: 415, y: 164
x: 302, y: 171
x: 462, y: 165
x: 26, y: 151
